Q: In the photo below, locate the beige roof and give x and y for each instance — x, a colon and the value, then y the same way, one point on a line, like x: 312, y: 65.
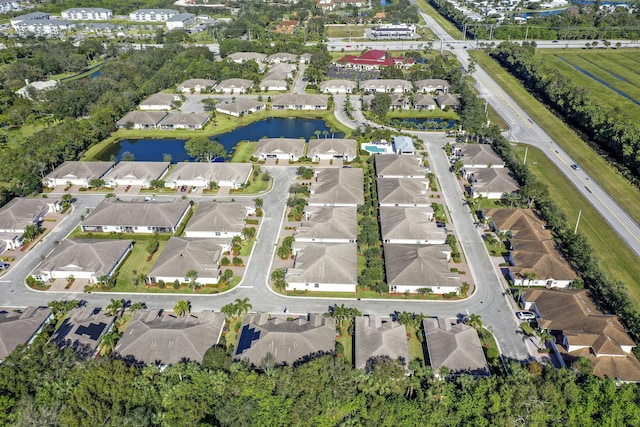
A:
x: 338, y: 186
x: 283, y: 56
x: 379, y: 337
x: 81, y: 330
x: 561, y: 308
x: 137, y: 170
x: 184, y: 253
x: 280, y: 72
x: 478, y: 154
x: 137, y: 213
x: 419, y: 265
x: 338, y: 83
x: 522, y: 223
x: 157, y: 337
x: 193, y: 83
x: 541, y: 258
x: 332, y: 146
x: 448, y: 99
x: 194, y: 119
x: 288, y: 341
x: 492, y: 180
x: 399, y: 165
x: 227, y: 217
x: 455, y: 346
x: 273, y: 83
x: 335, y: 263
x: 216, y: 171
x: 431, y: 83
x: 423, y: 99
x: 301, y: 99
x: 402, y: 191
x: 624, y: 368
x: 408, y: 223
x: 388, y: 83
x: 234, y: 84
x: 241, y: 105
x: 81, y: 170
x: 18, y: 326
x: 159, y: 99
x: 321, y: 222
x: 85, y: 255
x: 149, y: 118
x: 294, y: 146
x: 20, y: 212
x: 247, y: 56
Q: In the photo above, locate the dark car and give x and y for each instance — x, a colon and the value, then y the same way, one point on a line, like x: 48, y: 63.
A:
x: 183, y: 188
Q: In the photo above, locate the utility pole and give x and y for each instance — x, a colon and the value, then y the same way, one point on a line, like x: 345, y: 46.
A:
x: 526, y: 150
x: 575, y: 230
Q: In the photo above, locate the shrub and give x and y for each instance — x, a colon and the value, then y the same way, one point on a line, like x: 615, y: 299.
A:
x: 225, y: 261
x: 237, y: 261
x: 176, y: 284
x: 161, y: 284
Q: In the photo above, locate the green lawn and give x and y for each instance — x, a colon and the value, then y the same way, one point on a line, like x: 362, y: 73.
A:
x: 344, y: 31
x: 423, y: 114
x: 137, y: 260
x: 244, y: 151
x: 444, y: 23
x: 416, y: 348
x: 616, y: 258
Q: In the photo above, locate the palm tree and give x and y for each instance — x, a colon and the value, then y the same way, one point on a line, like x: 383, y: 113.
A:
x: 192, y: 275
x: 228, y: 310
x: 529, y: 276
x: 182, y: 308
x: 405, y: 318
x: 108, y: 342
x: 137, y: 306
x: 475, y: 321
x: 424, y: 291
x: 545, y: 336
x: 258, y: 202
x: 242, y: 306
x: 114, y: 307
x: 339, y: 313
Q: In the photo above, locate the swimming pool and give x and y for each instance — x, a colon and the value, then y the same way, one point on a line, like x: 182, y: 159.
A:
x: 375, y: 149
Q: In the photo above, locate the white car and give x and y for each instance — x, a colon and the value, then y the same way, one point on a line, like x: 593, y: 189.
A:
x: 525, y: 315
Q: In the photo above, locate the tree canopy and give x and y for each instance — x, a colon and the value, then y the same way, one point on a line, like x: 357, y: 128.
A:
x: 204, y: 149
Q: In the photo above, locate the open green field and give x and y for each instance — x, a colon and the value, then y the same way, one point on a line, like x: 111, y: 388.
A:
x: 615, y: 256
x: 344, y: 31
x: 444, y: 23
x: 613, y: 74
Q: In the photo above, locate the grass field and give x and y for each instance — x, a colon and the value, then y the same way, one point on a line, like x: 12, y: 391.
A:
x: 608, y: 69
x: 344, y: 31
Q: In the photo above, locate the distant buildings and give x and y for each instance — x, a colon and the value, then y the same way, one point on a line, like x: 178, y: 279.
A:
x: 87, y: 14
x: 152, y: 15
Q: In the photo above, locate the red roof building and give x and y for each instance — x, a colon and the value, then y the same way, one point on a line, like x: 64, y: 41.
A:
x: 373, y: 60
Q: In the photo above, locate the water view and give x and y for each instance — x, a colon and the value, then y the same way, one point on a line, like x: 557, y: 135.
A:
x: 154, y: 149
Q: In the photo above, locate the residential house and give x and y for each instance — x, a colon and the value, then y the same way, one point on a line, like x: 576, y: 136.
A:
x: 180, y: 21
x: 87, y: 14
x: 34, y: 87
x: 29, y: 17
x: 328, y: 225
x: 20, y: 326
x: 424, y: 102
x: 454, y: 347
x: 137, y: 216
x: 240, y: 107
x: 337, y: 187
x: 141, y: 120
x: 295, y: 101
x: 332, y: 148
x: 374, y: 60
x: 183, y: 254
x: 281, y: 71
x: 196, y: 85
x: 77, y: 173
x: 287, y: 26
x: 386, y: 86
x: 490, y: 183
x: 189, y: 121
x: 399, y: 166
x: 514, y: 221
x: 136, y: 173
x: 278, y: 58
x: 7, y: 6
x: 305, y: 58
x: 218, y: 220
x: 160, y: 101
x: 413, y: 267
x: 403, y: 192
x: 289, y: 342
x: 201, y: 174
x: 338, y: 86
x: 582, y: 330
x: 81, y: 331
x: 432, y: 86
x: 399, y: 102
x: 152, y: 15
x: 448, y: 100
x: 273, y: 85
x: 43, y: 27
x: 234, y: 86
x: 330, y: 267
x: 379, y: 338
x: 240, y: 57
x: 157, y: 337
x: 403, y: 145
x: 88, y: 259
x: 286, y: 149
x: 410, y: 226
x: 476, y: 156
x: 20, y: 212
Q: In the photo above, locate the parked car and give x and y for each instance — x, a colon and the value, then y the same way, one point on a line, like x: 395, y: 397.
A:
x: 4, y: 265
x: 183, y: 188
x: 525, y: 315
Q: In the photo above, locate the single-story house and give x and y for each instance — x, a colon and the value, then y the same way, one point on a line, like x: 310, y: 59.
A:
x: 180, y: 21
x: 234, y: 86
x: 386, y: 86
x: 424, y: 102
x: 338, y: 86
x: 305, y: 58
x: 77, y: 173
x: 240, y: 57
x: 337, y: 187
x: 218, y: 220
x: 141, y: 120
x: 277, y: 58
x: 240, y: 107
x: 159, y: 101
x: 403, y: 192
x: 432, y: 86
x: 295, y: 101
x: 281, y: 72
x: 523, y: 223
x: 196, y: 85
x: 287, y: 149
x: 190, y: 121
x: 157, y: 337
x: 20, y: 326
x: 138, y: 216
x: 539, y: 263
x: 20, y: 212
x: 410, y: 226
x: 412, y: 267
x: 81, y: 331
x: 273, y: 85
x: 400, y: 166
x: 332, y: 148
x: 399, y: 102
x: 491, y: 183
x: 331, y: 267
x: 200, y: 174
x: 448, y: 100
x: 476, y: 156
x: 135, y: 173
x: 379, y: 338
x: 328, y: 225
x: 289, y: 342
x: 403, y: 145
x: 90, y: 259
x: 25, y: 91
x: 455, y: 347
x: 183, y: 254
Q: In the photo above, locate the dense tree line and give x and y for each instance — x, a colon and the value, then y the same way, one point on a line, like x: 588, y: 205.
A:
x: 45, y: 386
x: 118, y: 7
x: 610, y: 129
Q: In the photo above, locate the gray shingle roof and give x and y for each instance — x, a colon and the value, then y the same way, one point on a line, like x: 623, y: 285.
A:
x: 479, y: 154
x: 419, y: 265
x: 81, y: 170
x: 338, y: 186
x: 328, y: 223
x: 137, y: 213
x: 216, y: 172
x: 218, y: 216
x: 399, y: 165
x: 18, y: 326
x: 142, y: 118
x: 184, y: 253
x: 247, y: 56
x: 293, y: 146
x: 335, y: 263
x: 159, y: 99
x: 81, y: 330
x: 379, y: 337
x: 393, y: 191
x: 301, y: 99
x: 332, y: 146
x: 409, y: 223
x: 20, y: 212
x: 193, y: 83
x: 234, y: 84
x: 137, y: 170
x: 194, y: 119
x: 338, y: 83
x: 241, y: 105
